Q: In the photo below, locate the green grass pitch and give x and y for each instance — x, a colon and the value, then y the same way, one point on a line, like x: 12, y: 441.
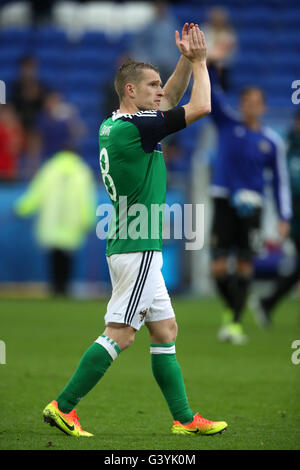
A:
x: 254, y: 387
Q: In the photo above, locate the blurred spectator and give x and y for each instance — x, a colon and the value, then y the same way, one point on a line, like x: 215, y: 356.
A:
x: 220, y: 36
x: 28, y: 92
x: 41, y: 11
x: 156, y: 43
x: 62, y: 194
x: 29, y: 161
x: 11, y: 142
x: 265, y: 307
x: 58, y: 125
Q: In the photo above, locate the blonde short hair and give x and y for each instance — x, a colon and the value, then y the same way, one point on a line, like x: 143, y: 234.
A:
x: 130, y: 71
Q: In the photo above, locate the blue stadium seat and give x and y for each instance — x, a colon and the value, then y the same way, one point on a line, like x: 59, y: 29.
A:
x: 85, y: 79
x: 290, y: 39
x: 93, y: 38
x: 278, y: 100
x: 257, y: 67
x: 52, y: 77
x: 15, y: 36
x: 281, y: 82
x: 51, y: 56
x: 255, y: 38
x: 255, y: 16
x: 90, y: 142
x: 287, y: 61
x: 241, y: 78
x: 13, y: 53
x: 90, y: 58
x: 83, y: 99
x: 290, y: 17
x: 8, y: 74
x: 51, y: 36
x: 250, y: 55
x: 92, y: 118
x: 97, y: 40
x: 189, y: 13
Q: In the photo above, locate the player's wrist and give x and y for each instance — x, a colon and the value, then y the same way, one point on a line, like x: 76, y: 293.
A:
x: 200, y: 63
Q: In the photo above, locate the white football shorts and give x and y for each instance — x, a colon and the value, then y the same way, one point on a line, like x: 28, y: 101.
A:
x: 139, y: 293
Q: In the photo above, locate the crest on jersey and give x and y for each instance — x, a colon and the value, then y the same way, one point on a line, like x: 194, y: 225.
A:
x: 143, y: 314
x: 264, y: 146
x: 239, y: 131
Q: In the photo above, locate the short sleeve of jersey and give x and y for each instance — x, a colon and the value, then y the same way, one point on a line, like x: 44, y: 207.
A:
x: 155, y: 125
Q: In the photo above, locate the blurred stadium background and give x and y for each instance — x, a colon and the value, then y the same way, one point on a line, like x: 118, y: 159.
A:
x: 77, y: 47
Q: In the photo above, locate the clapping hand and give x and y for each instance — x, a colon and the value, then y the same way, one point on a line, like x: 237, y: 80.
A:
x: 192, y: 43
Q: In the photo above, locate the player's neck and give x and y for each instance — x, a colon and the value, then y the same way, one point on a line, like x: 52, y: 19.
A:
x: 253, y: 124
x: 127, y: 107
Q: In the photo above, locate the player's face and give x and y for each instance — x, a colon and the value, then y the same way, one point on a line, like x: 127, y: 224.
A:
x: 252, y: 105
x: 149, y: 92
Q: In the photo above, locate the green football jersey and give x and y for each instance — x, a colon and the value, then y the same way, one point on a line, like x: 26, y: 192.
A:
x: 134, y: 174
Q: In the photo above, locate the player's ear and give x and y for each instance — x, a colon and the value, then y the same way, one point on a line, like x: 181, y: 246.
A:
x: 130, y: 90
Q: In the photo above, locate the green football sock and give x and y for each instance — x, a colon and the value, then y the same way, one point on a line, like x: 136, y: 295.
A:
x: 92, y: 366
x: 167, y: 373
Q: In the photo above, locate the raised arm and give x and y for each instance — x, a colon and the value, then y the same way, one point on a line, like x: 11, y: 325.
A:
x: 200, y: 100
x: 178, y: 82
x: 221, y: 113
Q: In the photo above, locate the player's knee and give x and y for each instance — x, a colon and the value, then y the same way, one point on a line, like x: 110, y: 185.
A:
x: 219, y: 267
x: 123, y: 335
x: 244, y: 268
x: 173, y: 330
x: 169, y: 334
x: 127, y: 341
x: 163, y: 332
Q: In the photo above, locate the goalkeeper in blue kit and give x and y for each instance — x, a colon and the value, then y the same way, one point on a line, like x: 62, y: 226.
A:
x: 246, y: 149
